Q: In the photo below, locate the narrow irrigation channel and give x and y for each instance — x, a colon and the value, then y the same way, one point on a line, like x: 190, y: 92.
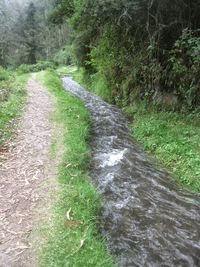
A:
x: 146, y: 218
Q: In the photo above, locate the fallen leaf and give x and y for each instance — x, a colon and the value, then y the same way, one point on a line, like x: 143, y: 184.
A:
x: 68, y: 165
x: 68, y: 214
x: 20, y: 221
x: 82, y: 243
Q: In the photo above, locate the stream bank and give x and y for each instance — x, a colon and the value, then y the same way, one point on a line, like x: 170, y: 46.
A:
x: 147, y: 219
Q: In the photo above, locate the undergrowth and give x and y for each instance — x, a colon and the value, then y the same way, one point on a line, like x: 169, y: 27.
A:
x: 13, y: 98
x: 39, y: 66
x: 74, y: 239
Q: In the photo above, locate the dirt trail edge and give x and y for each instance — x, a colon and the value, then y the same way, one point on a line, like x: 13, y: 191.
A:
x: 24, y: 178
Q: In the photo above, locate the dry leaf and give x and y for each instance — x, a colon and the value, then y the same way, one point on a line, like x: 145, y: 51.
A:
x: 68, y: 165
x: 20, y: 221
x: 82, y: 242
x: 73, y: 175
x: 68, y: 214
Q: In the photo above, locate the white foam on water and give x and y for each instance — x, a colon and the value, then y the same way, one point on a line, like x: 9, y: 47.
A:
x: 113, y: 158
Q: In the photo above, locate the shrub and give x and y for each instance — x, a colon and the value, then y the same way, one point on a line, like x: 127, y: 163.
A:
x: 4, y: 74
x: 100, y: 87
x: 183, y: 71
x: 135, y: 46
x: 64, y: 56
x: 42, y: 65
x: 107, y: 58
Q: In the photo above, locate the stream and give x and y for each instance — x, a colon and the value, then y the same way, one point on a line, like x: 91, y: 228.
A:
x: 146, y: 217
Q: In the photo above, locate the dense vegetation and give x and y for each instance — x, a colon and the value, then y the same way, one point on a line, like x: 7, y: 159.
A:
x: 149, y: 51
x: 138, y: 49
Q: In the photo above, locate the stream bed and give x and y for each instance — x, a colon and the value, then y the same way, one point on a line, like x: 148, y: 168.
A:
x: 146, y: 217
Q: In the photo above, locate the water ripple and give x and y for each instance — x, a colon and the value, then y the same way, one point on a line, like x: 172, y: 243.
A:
x: 147, y: 219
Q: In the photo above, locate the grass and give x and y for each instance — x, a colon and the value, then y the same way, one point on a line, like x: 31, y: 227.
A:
x: 11, y: 106
x: 4, y: 74
x: 94, y: 83
x: 173, y: 138
x: 73, y: 242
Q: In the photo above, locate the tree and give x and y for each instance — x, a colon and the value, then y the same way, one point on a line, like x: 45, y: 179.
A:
x: 5, y: 22
x: 116, y: 38
x: 30, y: 30
x: 26, y: 35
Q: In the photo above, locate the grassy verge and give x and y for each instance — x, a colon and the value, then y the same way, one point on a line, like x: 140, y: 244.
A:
x: 173, y: 138
x: 73, y: 240
x: 13, y: 99
x: 94, y: 82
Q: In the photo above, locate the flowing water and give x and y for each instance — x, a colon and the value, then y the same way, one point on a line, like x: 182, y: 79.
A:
x: 147, y: 219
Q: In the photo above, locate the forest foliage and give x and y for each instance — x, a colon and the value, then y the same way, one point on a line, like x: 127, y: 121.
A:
x: 132, y: 49
x: 141, y: 49
x: 26, y: 36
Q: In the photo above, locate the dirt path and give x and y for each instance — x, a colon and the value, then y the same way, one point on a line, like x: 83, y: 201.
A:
x: 24, y: 178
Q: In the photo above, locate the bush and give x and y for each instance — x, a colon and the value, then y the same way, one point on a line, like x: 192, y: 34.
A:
x: 64, y: 56
x: 135, y: 46
x: 100, y: 87
x: 42, y: 65
x: 183, y: 72
x: 107, y: 58
x: 4, y: 74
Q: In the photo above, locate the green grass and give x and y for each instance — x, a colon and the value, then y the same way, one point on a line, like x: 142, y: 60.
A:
x: 77, y: 193
x: 95, y: 83
x: 4, y: 74
x: 11, y: 105
x: 173, y: 138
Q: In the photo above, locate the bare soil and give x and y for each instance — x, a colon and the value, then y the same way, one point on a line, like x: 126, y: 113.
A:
x: 26, y: 176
